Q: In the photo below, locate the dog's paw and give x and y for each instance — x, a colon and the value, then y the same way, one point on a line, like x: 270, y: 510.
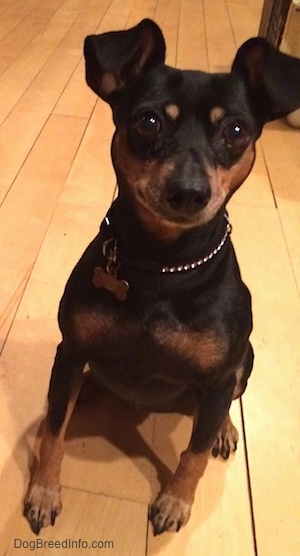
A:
x: 169, y: 513
x: 42, y: 506
x: 226, y: 441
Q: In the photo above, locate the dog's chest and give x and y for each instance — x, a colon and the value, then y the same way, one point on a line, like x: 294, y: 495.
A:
x: 156, y: 355
x: 123, y: 337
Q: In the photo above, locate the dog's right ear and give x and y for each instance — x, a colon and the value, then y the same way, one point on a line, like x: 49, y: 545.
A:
x: 115, y: 59
x: 271, y: 77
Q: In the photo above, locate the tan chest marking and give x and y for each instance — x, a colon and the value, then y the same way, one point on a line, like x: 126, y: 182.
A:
x: 90, y: 328
x: 205, y: 349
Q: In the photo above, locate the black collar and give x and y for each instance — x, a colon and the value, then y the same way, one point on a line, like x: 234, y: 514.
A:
x: 115, y: 259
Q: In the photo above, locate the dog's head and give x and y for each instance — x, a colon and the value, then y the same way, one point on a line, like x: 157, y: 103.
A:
x: 185, y: 140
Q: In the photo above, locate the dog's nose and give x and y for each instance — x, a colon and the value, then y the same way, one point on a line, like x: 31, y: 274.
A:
x: 188, y: 198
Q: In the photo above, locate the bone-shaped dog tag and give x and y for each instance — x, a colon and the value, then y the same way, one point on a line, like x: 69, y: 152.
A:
x: 110, y: 282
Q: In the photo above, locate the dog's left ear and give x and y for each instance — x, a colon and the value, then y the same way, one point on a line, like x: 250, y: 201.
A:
x: 272, y: 79
x: 115, y: 59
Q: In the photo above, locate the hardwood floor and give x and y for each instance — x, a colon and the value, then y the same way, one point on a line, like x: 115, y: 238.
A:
x: 56, y: 183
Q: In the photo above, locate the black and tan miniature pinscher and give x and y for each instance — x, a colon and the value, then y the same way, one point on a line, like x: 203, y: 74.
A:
x: 156, y: 306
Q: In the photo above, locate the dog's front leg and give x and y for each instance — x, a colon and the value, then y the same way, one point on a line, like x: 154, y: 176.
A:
x: 42, y: 503
x: 172, y: 508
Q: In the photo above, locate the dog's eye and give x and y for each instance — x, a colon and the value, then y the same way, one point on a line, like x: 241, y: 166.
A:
x: 148, y: 125
x: 235, y: 135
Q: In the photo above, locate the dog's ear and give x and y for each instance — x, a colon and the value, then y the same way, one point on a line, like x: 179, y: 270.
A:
x: 115, y: 59
x: 272, y: 78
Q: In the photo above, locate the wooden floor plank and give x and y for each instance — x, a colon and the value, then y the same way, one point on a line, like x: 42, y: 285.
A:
x: 14, y: 15
x: 25, y: 215
x: 220, y: 41
x: 192, y: 32
x: 34, y: 108
x: 271, y: 401
x: 244, y: 19
x: 18, y: 77
x: 21, y: 35
x: 167, y: 17
x: 5, y: 6
x: 285, y: 178
x: 139, y: 11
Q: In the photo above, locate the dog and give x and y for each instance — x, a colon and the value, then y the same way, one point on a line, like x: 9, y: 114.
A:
x: 156, y: 305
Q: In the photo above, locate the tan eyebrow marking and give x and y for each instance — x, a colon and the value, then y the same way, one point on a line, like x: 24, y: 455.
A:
x: 216, y: 114
x: 173, y: 111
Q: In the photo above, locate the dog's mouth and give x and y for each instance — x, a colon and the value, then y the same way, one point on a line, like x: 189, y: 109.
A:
x: 174, y: 205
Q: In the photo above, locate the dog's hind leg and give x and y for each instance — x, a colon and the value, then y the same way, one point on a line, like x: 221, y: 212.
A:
x: 42, y: 503
x: 227, y: 439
